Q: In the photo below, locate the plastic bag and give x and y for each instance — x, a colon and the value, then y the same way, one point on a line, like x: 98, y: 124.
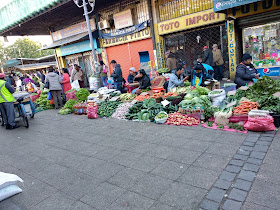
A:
x: 260, y: 124
x: 30, y: 87
x: 71, y: 95
x: 9, y: 191
x: 93, y: 83
x: 49, y: 96
x: 75, y: 84
x: 105, y: 69
x: 217, y: 98
x: 92, y: 112
x: 8, y: 179
x: 110, y: 80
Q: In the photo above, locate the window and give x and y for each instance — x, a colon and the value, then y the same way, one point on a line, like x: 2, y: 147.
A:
x: 263, y: 44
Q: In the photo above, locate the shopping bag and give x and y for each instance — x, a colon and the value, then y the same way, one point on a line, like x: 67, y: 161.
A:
x: 75, y: 84
x: 110, y: 80
x: 49, y: 96
x: 30, y: 87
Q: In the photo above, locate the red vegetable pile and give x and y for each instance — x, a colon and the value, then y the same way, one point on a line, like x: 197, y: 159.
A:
x: 177, y: 118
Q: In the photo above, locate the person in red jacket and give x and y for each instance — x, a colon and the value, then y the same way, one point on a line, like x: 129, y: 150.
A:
x: 66, y: 80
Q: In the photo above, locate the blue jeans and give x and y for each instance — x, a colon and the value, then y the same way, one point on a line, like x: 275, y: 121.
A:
x: 104, y: 81
x: 219, y: 71
x: 8, y: 113
x: 118, y: 86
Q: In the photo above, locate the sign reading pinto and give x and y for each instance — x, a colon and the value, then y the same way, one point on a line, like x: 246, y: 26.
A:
x: 190, y: 21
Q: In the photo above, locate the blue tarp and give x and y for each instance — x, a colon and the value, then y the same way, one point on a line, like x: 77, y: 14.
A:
x: 220, y: 5
x: 127, y: 31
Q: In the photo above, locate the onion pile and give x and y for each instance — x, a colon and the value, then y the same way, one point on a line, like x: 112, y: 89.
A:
x: 121, y: 111
x: 180, y: 119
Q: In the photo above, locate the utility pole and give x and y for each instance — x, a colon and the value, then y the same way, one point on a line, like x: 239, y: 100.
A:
x: 86, y: 13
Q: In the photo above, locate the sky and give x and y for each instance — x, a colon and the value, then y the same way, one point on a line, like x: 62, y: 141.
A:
x: 44, y: 40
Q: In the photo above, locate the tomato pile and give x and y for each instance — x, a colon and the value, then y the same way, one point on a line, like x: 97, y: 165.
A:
x: 166, y: 95
x: 141, y: 97
x: 157, y: 95
x: 177, y: 118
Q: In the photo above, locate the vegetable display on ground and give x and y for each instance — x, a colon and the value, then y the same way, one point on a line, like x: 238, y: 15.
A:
x: 107, y: 108
x: 82, y: 94
x: 245, y: 107
x: 180, y: 119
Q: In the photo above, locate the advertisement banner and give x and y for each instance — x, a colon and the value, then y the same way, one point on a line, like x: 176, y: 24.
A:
x: 73, y: 30
x: 127, y: 31
x: 220, y: 5
x: 123, y: 19
x: 74, y: 48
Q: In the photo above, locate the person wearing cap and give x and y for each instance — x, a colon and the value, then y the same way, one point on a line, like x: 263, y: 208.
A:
x: 117, y: 75
x: 198, y: 75
x: 171, y: 62
x: 207, y: 68
x: 207, y: 56
x: 177, y: 78
x: 245, y: 72
x: 132, y: 74
x: 6, y: 103
x: 218, y: 62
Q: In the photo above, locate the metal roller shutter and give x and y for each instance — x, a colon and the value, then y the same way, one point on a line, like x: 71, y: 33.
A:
x: 259, y: 19
x: 127, y: 55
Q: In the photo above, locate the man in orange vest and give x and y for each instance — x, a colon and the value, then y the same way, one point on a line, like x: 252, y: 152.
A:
x: 6, y: 103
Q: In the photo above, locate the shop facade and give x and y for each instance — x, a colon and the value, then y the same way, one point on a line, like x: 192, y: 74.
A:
x: 257, y: 31
x: 185, y: 27
x: 127, y: 39
x: 186, y: 36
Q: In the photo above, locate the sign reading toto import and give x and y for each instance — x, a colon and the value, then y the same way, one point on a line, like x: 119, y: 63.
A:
x: 190, y: 21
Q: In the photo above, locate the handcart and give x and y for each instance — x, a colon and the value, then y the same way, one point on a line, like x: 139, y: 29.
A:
x: 23, y: 107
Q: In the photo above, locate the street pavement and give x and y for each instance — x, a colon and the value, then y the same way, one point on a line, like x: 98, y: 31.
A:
x: 70, y: 162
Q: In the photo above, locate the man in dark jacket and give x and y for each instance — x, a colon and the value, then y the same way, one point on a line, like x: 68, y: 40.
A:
x: 117, y: 75
x: 144, y: 81
x: 245, y: 71
x: 207, y: 56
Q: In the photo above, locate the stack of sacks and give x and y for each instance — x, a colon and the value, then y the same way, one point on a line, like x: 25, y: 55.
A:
x: 8, y: 185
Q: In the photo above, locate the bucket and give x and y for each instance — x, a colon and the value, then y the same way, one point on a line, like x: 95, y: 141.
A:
x: 276, y: 118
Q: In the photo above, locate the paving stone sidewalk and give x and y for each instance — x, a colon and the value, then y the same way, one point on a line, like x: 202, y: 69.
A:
x: 70, y: 162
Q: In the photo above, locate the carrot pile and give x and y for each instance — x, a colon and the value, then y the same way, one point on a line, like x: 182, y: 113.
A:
x: 141, y: 97
x: 245, y: 107
x: 157, y: 95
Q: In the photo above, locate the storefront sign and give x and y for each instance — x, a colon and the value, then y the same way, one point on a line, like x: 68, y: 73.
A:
x: 144, y: 34
x: 126, y: 31
x: 255, y: 8
x: 231, y: 49
x: 73, y: 48
x: 123, y: 19
x: 270, y: 71
x: 226, y: 4
x: 190, y: 21
x: 73, y: 30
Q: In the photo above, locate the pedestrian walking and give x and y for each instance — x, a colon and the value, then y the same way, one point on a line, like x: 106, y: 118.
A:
x: 66, y: 80
x: 78, y: 74
x: 218, y: 62
x: 207, y: 56
x: 55, y: 87
x: 103, y: 70
x: 6, y: 103
x: 117, y: 75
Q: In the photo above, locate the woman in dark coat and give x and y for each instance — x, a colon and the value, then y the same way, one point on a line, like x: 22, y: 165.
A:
x: 245, y: 72
x: 144, y: 81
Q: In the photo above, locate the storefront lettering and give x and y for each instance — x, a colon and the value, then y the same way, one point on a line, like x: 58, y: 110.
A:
x: 190, y: 21
x: 231, y: 49
x: 129, y: 38
x: 254, y: 8
x: 160, y: 54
